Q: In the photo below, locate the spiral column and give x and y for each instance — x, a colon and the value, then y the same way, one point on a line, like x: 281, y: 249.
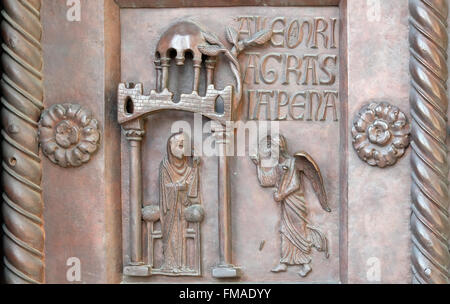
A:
x: 429, y: 103
x: 22, y: 103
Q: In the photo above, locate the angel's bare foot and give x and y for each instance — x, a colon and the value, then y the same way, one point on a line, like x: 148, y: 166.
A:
x: 280, y: 268
x: 305, y: 269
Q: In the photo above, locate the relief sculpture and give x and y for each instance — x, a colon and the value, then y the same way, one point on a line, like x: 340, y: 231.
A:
x: 68, y: 134
x: 298, y: 234
x: 83, y: 203
x: 176, y: 221
x: 380, y: 134
x: 181, y: 210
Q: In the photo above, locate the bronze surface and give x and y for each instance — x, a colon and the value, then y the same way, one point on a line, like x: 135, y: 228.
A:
x: 87, y: 208
x: 22, y: 103
x: 244, y: 194
x: 430, y: 224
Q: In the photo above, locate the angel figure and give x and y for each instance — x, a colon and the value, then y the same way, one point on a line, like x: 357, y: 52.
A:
x: 298, y: 234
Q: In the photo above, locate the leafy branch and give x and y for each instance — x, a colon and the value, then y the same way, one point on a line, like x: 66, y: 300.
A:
x: 215, y: 47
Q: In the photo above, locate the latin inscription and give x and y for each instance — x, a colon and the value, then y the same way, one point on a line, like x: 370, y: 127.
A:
x: 296, y: 76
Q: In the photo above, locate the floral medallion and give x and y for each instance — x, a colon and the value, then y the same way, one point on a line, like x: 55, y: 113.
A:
x: 380, y: 134
x: 68, y: 134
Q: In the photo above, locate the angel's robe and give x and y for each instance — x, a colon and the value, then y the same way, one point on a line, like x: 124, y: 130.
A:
x: 298, y: 236
x: 173, y: 201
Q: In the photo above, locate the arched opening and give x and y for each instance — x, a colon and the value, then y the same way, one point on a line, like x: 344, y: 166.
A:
x: 172, y: 53
x: 181, y: 77
x: 129, y: 106
x: 219, y: 105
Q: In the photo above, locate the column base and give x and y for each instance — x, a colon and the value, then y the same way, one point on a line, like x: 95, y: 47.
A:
x: 137, y: 271
x: 226, y: 272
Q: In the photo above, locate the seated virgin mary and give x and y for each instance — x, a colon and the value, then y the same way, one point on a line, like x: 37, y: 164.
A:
x: 180, y: 204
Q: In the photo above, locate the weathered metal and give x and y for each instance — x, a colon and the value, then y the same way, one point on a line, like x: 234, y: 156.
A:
x: 68, y: 135
x: 107, y: 212
x: 430, y: 223
x: 22, y: 103
x: 182, y: 38
x: 287, y: 176
x: 380, y: 134
x: 231, y: 230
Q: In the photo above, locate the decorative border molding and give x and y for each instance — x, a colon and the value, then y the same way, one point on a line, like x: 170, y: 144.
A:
x: 430, y: 226
x: 22, y: 103
x: 222, y: 3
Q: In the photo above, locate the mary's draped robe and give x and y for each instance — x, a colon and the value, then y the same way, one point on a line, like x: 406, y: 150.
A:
x: 178, y: 190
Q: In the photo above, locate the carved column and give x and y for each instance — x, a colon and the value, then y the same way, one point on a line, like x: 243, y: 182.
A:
x: 224, y: 200
x: 197, y: 67
x: 22, y: 96
x: 225, y: 269
x: 158, y: 69
x: 429, y: 103
x: 134, y: 138
x: 210, y: 66
x: 165, y: 64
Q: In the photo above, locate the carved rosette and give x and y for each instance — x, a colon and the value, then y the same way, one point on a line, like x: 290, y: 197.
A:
x: 380, y: 134
x: 430, y: 224
x: 22, y: 95
x: 68, y: 134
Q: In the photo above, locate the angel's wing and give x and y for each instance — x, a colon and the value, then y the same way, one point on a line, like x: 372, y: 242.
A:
x: 307, y: 165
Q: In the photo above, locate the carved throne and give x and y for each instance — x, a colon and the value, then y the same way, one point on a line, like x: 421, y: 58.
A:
x: 191, y: 232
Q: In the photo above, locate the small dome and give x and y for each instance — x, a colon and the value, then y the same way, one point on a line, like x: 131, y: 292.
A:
x: 184, y: 36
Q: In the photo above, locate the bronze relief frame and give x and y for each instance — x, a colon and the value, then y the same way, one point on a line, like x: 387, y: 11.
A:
x: 22, y: 105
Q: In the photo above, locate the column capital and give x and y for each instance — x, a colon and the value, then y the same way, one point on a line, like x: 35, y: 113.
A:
x: 165, y: 62
x: 210, y: 63
x: 134, y: 134
x: 222, y: 133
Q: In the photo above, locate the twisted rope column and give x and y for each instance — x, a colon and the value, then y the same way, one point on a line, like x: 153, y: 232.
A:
x: 428, y: 98
x: 21, y: 99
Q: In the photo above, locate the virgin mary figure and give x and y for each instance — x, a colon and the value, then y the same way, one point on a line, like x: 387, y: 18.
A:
x: 179, y: 192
